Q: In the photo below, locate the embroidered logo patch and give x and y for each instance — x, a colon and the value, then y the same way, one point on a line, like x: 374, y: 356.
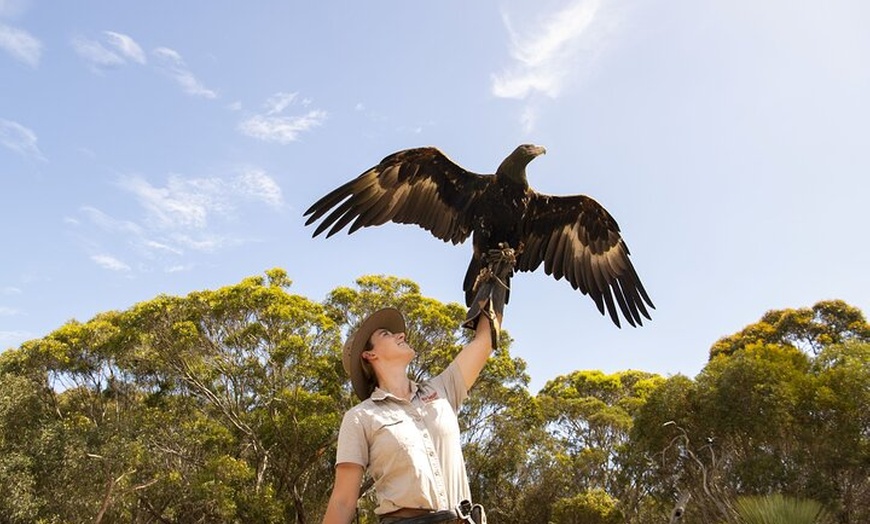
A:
x: 430, y: 397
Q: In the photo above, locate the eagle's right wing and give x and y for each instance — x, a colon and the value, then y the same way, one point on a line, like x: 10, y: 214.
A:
x: 577, y: 239
x: 416, y: 186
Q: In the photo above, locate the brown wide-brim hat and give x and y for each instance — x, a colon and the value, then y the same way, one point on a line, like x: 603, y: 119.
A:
x: 387, y: 318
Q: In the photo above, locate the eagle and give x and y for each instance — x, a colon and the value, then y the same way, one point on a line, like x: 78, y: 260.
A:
x: 573, y: 236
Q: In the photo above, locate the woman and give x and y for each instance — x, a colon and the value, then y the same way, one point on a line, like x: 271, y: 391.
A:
x: 405, y: 434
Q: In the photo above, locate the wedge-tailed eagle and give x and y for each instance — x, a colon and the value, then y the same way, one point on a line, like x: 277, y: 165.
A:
x: 573, y: 236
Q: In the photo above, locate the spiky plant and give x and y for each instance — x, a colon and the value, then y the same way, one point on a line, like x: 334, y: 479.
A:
x: 779, y: 509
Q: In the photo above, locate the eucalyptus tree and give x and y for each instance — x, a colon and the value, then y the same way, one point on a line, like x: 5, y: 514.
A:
x: 779, y: 408
x: 590, y: 415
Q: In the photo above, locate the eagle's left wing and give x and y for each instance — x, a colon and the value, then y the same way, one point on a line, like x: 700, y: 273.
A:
x: 577, y: 239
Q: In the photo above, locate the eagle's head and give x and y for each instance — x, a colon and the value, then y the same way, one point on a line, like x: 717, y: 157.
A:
x: 514, y: 166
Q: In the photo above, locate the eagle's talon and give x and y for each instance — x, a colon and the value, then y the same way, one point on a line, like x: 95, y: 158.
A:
x: 485, y: 275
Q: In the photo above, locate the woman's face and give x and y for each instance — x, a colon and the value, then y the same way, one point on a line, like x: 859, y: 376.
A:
x: 388, y: 345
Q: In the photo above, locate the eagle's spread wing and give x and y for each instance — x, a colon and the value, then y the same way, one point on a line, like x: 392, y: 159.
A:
x: 415, y: 186
x: 577, y: 239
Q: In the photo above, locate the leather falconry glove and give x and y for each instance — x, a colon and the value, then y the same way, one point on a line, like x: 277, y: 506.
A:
x: 491, y: 289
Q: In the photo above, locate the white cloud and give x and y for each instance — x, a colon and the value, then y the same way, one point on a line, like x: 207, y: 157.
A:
x: 548, y: 53
x: 529, y: 118
x: 173, y: 64
x: 153, y: 245
x: 256, y: 184
x: 21, y: 45
x: 10, y: 290
x: 7, y: 311
x: 189, y: 203
x: 274, y: 126
x: 19, y: 139
x: 175, y: 219
x: 281, y: 129
x: 114, y: 51
x: 278, y: 102
x: 97, y: 56
x: 181, y: 204
x: 126, y: 45
x: 108, y: 223
x: 109, y: 262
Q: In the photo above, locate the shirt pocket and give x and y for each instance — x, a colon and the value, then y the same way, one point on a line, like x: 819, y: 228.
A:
x: 394, y: 435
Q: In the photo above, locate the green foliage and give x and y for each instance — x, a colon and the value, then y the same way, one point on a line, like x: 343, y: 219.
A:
x: 211, y: 407
x: 224, y: 406
x: 765, y: 416
x: 590, y: 507
x: 590, y: 416
x: 826, y: 323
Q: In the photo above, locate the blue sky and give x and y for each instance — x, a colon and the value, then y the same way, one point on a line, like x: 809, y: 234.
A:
x: 167, y: 147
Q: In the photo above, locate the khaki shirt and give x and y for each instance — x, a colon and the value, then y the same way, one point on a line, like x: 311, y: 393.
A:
x: 410, y: 449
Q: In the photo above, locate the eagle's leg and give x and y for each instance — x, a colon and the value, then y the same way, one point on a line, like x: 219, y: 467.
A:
x: 491, y: 289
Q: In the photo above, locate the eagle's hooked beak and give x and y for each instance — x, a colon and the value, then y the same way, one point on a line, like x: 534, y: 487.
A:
x: 529, y: 152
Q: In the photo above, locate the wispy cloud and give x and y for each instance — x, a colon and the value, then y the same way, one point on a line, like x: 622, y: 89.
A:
x: 155, y: 246
x: 554, y: 50
x: 255, y: 184
x: 96, y: 54
x: 108, y: 223
x: 182, y: 203
x: 20, y: 45
x: 19, y: 139
x: 170, y: 221
x: 173, y: 64
x: 7, y: 311
x: 188, y: 203
x: 546, y: 53
x: 115, y: 50
x: 278, y: 102
x: 126, y: 46
x: 275, y: 126
x: 109, y: 262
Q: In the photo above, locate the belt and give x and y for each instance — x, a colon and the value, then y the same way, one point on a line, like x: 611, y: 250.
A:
x: 419, y: 516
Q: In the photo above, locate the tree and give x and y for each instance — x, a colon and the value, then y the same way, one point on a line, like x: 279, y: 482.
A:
x: 25, y: 430
x: 836, y: 426
x: 590, y: 415
x: 827, y: 323
x: 765, y: 416
x: 594, y: 506
x: 218, y: 406
x: 261, y: 364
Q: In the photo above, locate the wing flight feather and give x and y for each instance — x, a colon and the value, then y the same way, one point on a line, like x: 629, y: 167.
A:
x: 419, y: 186
x: 578, y: 240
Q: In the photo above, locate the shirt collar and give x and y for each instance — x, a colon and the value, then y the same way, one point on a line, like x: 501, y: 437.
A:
x: 379, y: 394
